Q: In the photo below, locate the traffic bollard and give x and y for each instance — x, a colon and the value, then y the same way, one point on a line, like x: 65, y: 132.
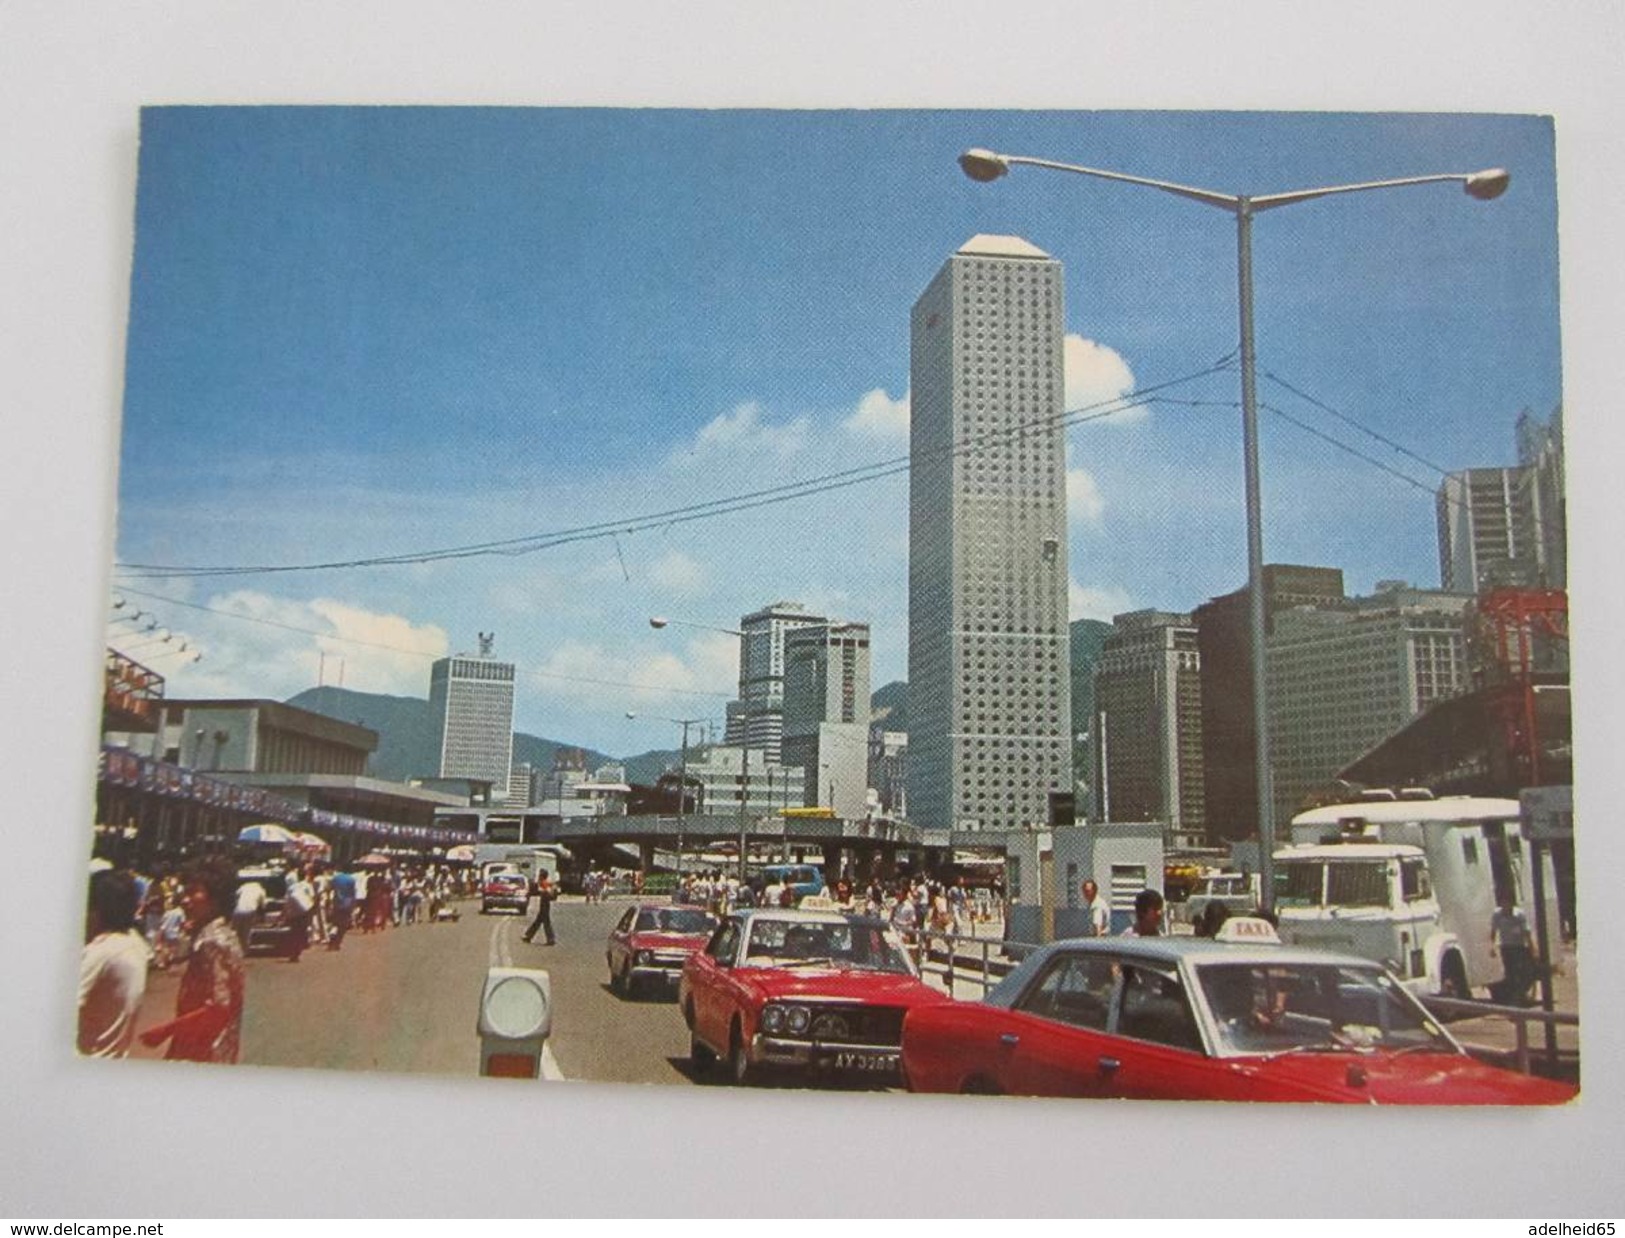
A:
x: 516, y: 1017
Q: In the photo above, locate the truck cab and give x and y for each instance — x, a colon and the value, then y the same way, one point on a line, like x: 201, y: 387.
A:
x: 1373, y: 900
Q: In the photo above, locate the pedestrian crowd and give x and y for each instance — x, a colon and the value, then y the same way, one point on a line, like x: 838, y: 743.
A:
x: 204, y: 915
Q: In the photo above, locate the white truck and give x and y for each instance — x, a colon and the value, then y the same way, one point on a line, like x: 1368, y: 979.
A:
x: 1410, y: 881
x: 523, y: 858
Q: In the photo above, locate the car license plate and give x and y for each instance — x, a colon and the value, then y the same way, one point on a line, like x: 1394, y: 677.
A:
x: 866, y: 1061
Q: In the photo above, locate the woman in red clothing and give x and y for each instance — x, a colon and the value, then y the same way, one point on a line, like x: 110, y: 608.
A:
x: 208, y: 1021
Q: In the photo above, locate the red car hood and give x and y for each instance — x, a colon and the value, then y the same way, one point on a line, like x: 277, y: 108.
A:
x: 667, y: 941
x: 835, y: 984
x: 1404, y: 1079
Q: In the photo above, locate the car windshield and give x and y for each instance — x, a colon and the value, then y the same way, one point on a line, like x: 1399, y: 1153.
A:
x: 674, y: 920
x: 844, y: 944
x: 1267, y: 1008
x: 1339, y: 883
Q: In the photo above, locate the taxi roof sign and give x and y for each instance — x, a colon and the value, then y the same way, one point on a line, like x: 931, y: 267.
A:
x: 1252, y: 930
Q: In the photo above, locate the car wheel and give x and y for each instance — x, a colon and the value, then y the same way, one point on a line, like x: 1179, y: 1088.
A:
x: 740, y: 1071
x: 1453, y: 979
x: 979, y: 1085
x: 615, y: 982
x: 700, y: 1055
x: 628, y: 984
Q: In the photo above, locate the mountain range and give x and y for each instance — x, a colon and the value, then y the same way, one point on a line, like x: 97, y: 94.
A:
x: 408, y: 735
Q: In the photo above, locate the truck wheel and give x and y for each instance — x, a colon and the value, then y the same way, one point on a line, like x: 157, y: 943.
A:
x: 1453, y: 979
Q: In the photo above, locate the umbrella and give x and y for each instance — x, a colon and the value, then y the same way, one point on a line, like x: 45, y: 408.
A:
x: 267, y: 832
x: 460, y: 855
x: 311, y: 843
x: 373, y: 860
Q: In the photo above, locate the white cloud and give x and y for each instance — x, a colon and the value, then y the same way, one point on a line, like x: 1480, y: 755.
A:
x: 743, y: 431
x: 1097, y: 603
x: 879, y: 416
x: 273, y: 648
x: 1096, y: 374
x: 1084, y: 502
x: 676, y: 573
x: 697, y: 680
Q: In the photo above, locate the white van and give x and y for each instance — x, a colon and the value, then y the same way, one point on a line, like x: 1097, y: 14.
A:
x: 1475, y: 854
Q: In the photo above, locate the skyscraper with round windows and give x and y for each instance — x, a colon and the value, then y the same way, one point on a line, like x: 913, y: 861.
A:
x: 989, y: 685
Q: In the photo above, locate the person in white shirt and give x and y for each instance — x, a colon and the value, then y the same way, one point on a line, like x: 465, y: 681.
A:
x: 251, y: 899
x: 1095, y: 908
x: 112, y: 967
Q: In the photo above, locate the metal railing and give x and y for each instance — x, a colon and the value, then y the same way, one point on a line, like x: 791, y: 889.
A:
x: 1519, y: 1016
x: 968, y: 958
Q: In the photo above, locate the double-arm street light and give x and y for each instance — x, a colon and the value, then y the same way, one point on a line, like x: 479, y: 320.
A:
x: 661, y: 621
x: 682, y: 785
x: 986, y: 165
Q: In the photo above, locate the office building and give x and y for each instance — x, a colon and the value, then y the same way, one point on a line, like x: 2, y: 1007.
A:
x: 1224, y: 647
x: 1482, y: 530
x: 826, y: 714
x: 471, y: 696
x: 988, y: 651
x: 1543, y: 497
x: 757, y: 717
x: 1341, y: 680
x: 1148, y: 725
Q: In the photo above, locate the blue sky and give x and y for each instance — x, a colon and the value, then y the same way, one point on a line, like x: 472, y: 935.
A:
x: 361, y: 332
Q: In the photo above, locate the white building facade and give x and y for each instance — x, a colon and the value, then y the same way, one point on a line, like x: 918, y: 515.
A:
x: 471, y: 696
x: 989, y: 656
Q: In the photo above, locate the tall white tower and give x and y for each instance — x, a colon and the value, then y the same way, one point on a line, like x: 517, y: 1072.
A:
x: 988, y: 649
x: 471, y: 696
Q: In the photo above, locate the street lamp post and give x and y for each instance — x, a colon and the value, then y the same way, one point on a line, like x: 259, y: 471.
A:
x: 682, y: 783
x: 661, y: 621
x: 986, y: 165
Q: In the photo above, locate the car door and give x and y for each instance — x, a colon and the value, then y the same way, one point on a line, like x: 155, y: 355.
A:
x: 619, y: 937
x: 1056, y: 1043
x: 1155, y: 1040
x: 711, y: 968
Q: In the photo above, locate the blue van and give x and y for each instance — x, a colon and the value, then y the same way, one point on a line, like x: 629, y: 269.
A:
x: 805, y: 879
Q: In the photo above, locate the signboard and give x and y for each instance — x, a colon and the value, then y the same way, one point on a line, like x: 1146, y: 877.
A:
x: 1548, y: 813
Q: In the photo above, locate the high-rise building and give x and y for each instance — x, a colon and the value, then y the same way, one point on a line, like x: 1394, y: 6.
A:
x: 1343, y: 679
x: 1482, y: 530
x: 988, y: 656
x: 471, y: 696
x: 1148, y: 725
x: 1543, y: 497
x: 757, y: 717
x: 1508, y: 526
x: 826, y: 713
x: 1224, y: 643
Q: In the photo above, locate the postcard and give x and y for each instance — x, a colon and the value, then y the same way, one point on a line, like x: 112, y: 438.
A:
x: 1062, y: 604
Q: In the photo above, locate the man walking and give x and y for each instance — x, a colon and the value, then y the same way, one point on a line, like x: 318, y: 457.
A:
x: 545, y: 893
x: 112, y: 967
x: 1147, y: 915
x: 344, y: 900
x: 1098, y: 915
x: 1509, y: 934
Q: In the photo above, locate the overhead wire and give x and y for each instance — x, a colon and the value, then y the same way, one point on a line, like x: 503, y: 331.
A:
x: 707, y: 509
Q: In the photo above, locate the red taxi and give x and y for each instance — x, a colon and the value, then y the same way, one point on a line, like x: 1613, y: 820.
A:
x: 1183, y: 1018
x: 651, y: 942
x: 813, y: 992
x: 505, y: 890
